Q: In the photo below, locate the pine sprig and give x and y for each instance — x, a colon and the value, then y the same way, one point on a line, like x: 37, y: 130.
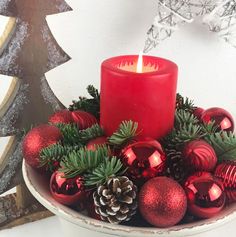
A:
x: 110, y: 167
x: 183, y: 117
x: 91, y: 105
x: 126, y: 132
x: 50, y: 157
x: 83, y: 160
x: 224, y: 144
x: 184, y: 103
x: 73, y: 136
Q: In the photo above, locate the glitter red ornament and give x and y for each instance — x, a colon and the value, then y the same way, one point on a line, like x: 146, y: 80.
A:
x: 68, y: 191
x: 63, y: 116
x: 162, y: 202
x: 83, y: 119
x: 222, y: 118
x: 94, y: 143
x: 199, y: 156
x: 144, y: 159
x: 205, y: 197
x: 37, y: 139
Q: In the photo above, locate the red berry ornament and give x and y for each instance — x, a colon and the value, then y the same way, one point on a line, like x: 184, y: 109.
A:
x: 63, y: 116
x: 68, y: 191
x: 83, y: 119
x: 37, y: 139
x: 199, y: 156
x: 94, y: 143
x: 162, y: 202
x: 144, y: 159
x: 222, y: 118
x: 205, y: 197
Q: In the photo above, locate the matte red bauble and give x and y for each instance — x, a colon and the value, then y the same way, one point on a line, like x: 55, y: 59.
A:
x: 198, y: 111
x: 37, y: 139
x: 226, y: 172
x: 92, y: 144
x: 222, y: 118
x: 205, y: 197
x: 199, y: 156
x: 83, y: 119
x: 63, y: 116
x: 144, y: 159
x: 67, y: 191
x: 162, y: 202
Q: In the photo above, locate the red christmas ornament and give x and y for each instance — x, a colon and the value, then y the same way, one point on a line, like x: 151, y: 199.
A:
x: 222, y: 118
x: 198, y: 176
x: 144, y: 159
x: 230, y: 195
x: 198, y: 111
x: 37, y: 139
x: 226, y: 172
x: 205, y: 197
x: 92, y: 144
x: 199, y: 156
x: 63, y: 116
x: 68, y: 191
x: 162, y: 202
x: 83, y: 119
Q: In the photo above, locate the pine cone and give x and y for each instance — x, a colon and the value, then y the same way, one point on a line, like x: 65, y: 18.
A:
x: 116, y: 200
x: 175, y: 165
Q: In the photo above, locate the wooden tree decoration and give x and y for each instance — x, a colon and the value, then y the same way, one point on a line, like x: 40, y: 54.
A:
x: 28, y: 51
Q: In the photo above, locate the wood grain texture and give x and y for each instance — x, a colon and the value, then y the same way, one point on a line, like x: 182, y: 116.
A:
x: 27, y: 51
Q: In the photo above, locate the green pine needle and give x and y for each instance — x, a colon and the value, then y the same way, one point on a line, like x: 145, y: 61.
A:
x: 53, y: 154
x: 126, y: 132
x: 224, y: 144
x: 184, y: 117
x: 83, y: 160
x: 110, y: 167
x: 184, y: 103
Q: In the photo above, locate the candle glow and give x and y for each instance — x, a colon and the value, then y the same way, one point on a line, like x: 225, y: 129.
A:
x: 140, y: 63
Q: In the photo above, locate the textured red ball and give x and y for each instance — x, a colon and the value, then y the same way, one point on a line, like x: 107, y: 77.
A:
x: 162, y: 202
x: 206, y: 197
x: 94, y: 143
x: 144, y: 159
x: 69, y: 191
x: 222, y: 118
x: 83, y: 119
x: 63, y: 116
x: 37, y: 139
x: 199, y: 156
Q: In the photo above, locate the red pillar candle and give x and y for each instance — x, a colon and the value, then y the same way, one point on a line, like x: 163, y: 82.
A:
x: 147, y: 97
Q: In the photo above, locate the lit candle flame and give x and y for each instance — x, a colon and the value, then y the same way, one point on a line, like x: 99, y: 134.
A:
x: 140, y: 63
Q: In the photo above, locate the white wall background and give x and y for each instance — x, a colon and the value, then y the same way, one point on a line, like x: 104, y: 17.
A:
x: 98, y: 29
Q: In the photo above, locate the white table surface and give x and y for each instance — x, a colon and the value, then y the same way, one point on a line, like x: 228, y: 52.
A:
x: 52, y: 227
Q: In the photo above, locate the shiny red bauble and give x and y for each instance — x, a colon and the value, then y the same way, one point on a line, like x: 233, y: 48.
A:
x: 61, y: 117
x: 162, y: 202
x: 206, y: 197
x: 198, y: 111
x: 199, y: 156
x: 144, y: 159
x: 37, y: 139
x: 222, y: 118
x: 83, y: 119
x: 94, y: 143
x: 226, y: 172
x: 197, y: 176
x: 68, y: 191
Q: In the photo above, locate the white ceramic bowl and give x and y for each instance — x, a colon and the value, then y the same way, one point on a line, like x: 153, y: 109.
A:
x: 39, y: 187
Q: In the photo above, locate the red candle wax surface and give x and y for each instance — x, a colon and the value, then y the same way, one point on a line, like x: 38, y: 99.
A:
x: 147, y: 98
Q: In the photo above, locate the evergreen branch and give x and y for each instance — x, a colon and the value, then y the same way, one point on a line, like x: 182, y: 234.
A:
x: 50, y: 157
x: 224, y: 144
x: 126, y: 132
x: 110, y: 167
x: 184, y: 117
x: 73, y: 136
x: 83, y: 160
x: 89, y: 105
x: 184, y: 103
